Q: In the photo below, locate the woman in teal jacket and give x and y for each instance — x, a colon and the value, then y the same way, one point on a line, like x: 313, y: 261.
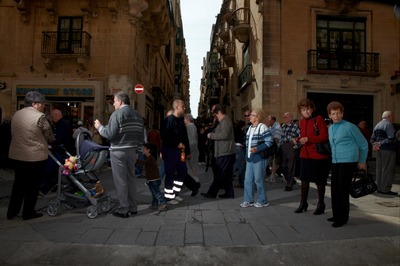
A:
x: 349, y: 151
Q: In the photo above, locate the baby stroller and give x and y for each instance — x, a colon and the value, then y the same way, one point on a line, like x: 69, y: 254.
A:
x: 80, y: 187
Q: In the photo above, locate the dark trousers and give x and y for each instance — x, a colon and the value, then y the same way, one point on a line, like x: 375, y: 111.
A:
x: 223, y: 175
x: 25, y: 188
x: 172, y: 164
x: 342, y: 174
x: 288, y: 163
x: 190, y: 183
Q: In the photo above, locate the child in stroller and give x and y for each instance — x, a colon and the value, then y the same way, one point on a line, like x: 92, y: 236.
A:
x: 82, y: 187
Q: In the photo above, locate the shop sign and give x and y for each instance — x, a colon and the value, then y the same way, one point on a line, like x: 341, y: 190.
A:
x: 61, y: 91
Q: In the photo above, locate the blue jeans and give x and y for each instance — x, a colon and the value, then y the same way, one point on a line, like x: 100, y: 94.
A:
x: 158, y: 197
x: 255, y: 173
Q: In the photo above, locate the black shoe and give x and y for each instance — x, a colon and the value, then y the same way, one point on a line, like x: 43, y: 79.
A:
x: 303, y: 207
x: 194, y: 192
x: 206, y: 195
x: 132, y: 213
x: 331, y: 219
x: 33, y: 216
x: 10, y: 217
x: 121, y: 215
x: 288, y: 188
x: 338, y: 224
x: 226, y: 196
x: 320, y: 209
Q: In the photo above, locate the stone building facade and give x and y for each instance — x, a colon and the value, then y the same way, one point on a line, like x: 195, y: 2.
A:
x: 78, y: 53
x: 269, y: 54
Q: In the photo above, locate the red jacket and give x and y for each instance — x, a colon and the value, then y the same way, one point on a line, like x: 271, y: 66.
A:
x: 308, y: 150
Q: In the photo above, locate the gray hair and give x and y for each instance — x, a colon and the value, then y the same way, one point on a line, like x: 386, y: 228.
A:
x: 33, y: 97
x: 189, y: 117
x: 123, y: 96
x: 386, y: 114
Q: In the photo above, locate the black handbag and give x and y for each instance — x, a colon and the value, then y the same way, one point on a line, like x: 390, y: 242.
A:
x: 322, y: 148
x: 270, y: 151
x: 363, y: 186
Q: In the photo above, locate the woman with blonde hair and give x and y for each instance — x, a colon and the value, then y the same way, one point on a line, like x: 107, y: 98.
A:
x: 258, y: 139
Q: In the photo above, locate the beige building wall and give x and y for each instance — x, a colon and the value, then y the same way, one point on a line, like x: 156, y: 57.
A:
x: 281, y: 33
x: 126, y: 49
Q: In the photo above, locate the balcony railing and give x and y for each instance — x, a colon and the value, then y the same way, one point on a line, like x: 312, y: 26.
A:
x: 229, y: 56
x: 66, y: 43
x: 245, y: 77
x: 240, y: 21
x: 358, y: 63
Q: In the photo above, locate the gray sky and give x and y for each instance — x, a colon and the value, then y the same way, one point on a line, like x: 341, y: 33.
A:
x: 198, y: 17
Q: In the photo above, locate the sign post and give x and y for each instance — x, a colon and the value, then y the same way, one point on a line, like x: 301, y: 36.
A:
x: 139, y: 89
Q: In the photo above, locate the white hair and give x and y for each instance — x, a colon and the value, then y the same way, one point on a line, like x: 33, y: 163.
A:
x: 386, y: 114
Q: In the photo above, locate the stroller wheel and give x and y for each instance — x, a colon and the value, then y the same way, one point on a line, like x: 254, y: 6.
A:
x: 91, y: 212
x: 105, y: 206
x: 53, y: 209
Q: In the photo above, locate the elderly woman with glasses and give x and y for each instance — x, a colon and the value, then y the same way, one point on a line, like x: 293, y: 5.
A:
x: 258, y: 139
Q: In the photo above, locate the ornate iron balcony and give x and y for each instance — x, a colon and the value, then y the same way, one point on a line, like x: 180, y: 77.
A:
x: 66, y: 43
x: 357, y: 63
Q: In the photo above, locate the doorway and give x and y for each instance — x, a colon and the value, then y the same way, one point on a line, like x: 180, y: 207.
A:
x: 357, y: 107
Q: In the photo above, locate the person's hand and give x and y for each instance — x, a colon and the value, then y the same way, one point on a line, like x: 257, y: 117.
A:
x: 362, y: 166
x: 303, y: 140
x: 181, y: 145
x: 253, y: 150
x: 97, y: 124
x: 376, y: 146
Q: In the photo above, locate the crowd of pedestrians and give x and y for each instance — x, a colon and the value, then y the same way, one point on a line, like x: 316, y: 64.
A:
x: 236, y: 152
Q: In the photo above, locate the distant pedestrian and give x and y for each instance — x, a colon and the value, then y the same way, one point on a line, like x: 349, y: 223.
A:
x: 126, y: 135
x: 79, y: 129
x: 289, y: 147
x: 194, y: 152
x: 154, y: 137
x: 31, y: 135
x: 224, y: 152
x: 383, y: 140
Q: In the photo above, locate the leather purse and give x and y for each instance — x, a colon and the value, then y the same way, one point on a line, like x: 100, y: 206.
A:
x: 324, y: 147
x: 364, y: 186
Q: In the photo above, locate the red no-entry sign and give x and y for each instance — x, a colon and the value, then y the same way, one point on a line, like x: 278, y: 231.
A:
x: 139, y: 88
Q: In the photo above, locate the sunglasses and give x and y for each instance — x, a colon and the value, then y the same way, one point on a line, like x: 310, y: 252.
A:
x: 246, y: 115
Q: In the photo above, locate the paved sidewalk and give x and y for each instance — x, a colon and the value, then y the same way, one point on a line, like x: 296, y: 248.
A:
x: 205, y: 232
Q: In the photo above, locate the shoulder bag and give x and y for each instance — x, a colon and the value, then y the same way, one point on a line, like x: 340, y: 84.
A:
x: 363, y: 186
x: 270, y: 151
x: 324, y: 147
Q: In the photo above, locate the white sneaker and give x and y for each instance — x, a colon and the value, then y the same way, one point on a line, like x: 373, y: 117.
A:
x: 260, y: 205
x: 246, y: 204
x: 178, y: 198
x: 173, y: 202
